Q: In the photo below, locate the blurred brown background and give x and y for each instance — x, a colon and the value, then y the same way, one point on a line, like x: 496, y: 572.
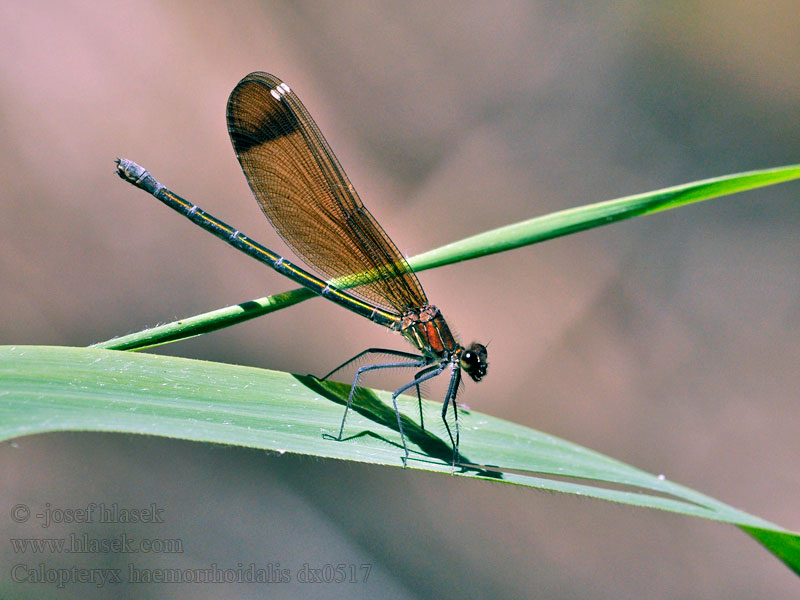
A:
x: 670, y: 342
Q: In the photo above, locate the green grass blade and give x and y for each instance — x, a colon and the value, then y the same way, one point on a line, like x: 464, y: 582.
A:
x: 564, y: 222
x: 502, y: 239
x: 221, y: 318
x: 45, y: 389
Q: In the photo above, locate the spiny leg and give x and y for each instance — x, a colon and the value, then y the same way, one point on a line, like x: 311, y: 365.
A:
x: 418, y: 363
x: 424, y: 375
x: 419, y: 394
x: 452, y: 391
x: 372, y: 351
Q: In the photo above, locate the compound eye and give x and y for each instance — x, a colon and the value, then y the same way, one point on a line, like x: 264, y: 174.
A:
x: 479, y: 350
x: 473, y: 361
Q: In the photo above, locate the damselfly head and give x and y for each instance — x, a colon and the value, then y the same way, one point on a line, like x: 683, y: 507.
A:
x: 473, y: 361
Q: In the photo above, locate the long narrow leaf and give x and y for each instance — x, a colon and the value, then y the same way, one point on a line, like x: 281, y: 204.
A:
x: 45, y: 389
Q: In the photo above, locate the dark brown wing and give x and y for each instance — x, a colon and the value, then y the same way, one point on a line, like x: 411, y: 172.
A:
x: 309, y: 199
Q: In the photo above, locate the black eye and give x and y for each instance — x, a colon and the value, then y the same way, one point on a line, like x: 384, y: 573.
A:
x: 473, y: 361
